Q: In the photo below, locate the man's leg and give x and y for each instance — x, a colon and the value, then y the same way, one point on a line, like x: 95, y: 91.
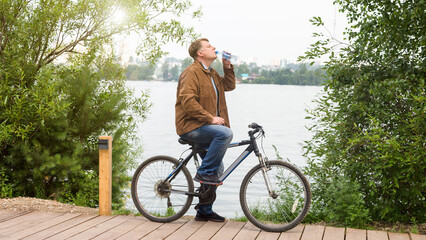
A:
x: 205, y: 211
x: 218, y: 137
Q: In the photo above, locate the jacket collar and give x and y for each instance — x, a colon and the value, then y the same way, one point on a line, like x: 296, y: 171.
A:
x: 202, y: 67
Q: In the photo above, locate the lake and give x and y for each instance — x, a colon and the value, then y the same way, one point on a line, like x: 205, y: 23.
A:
x: 280, y: 109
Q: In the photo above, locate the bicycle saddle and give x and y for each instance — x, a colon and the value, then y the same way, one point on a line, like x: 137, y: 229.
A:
x: 183, y: 141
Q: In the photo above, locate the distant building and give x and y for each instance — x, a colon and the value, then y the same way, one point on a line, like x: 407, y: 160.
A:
x: 283, y: 63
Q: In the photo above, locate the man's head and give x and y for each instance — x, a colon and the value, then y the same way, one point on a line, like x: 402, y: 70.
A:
x: 201, y: 48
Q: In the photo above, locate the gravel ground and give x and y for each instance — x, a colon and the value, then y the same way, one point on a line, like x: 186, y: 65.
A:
x: 43, y: 205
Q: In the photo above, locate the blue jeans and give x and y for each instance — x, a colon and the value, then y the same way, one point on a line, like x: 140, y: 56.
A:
x: 217, y: 137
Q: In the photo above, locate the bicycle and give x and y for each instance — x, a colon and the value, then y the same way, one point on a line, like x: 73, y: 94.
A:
x: 274, y: 195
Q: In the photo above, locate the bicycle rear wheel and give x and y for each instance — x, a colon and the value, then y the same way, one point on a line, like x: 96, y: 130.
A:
x: 157, y: 199
x: 288, y: 204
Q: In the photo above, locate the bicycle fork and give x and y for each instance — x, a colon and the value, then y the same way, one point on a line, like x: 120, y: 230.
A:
x: 265, y: 169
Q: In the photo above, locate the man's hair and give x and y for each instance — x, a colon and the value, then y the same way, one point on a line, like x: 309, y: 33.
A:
x: 195, y: 47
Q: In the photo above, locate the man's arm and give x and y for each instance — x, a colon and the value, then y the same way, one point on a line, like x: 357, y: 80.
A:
x: 229, y: 77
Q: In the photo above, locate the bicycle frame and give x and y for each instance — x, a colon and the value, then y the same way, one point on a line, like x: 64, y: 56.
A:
x: 163, y: 189
x: 252, y: 147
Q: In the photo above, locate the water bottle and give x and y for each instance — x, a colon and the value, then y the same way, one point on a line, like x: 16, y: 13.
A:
x: 232, y: 58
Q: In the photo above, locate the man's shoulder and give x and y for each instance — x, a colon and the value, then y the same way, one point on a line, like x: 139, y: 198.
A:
x: 193, y: 69
x: 190, y: 74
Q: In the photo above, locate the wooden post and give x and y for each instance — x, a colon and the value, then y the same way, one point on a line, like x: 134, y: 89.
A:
x: 105, y: 175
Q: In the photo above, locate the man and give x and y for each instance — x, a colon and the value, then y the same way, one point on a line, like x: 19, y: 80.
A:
x: 202, y: 115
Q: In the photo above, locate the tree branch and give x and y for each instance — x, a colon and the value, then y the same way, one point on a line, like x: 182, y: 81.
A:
x: 69, y: 48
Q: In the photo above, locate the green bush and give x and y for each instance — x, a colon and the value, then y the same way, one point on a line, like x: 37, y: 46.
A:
x: 6, y: 188
x: 82, y: 191
x: 61, y: 87
x: 370, y: 125
x: 343, y: 203
x: 62, y: 158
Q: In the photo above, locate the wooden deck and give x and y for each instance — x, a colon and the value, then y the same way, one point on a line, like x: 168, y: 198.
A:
x: 37, y: 225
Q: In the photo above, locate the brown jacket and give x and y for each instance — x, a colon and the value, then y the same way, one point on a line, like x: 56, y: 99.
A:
x: 196, y: 98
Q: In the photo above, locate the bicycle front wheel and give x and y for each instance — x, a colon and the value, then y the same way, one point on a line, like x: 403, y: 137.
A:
x: 157, y: 199
x: 285, y: 206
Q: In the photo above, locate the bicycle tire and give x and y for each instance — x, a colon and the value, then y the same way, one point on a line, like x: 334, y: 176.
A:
x: 283, y: 212
x: 148, y: 195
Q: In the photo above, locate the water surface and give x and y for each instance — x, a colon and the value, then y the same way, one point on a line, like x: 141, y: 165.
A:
x: 280, y: 109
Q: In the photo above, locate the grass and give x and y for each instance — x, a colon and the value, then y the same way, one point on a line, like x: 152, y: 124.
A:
x: 124, y: 211
x: 239, y: 219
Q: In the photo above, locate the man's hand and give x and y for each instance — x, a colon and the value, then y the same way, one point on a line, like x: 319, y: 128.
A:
x: 226, y: 63
x: 218, y: 121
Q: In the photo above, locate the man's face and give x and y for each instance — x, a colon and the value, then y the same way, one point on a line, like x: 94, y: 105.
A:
x: 207, y: 51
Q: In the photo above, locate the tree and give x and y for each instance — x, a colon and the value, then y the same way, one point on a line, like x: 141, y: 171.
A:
x: 186, y: 62
x: 369, y: 126
x: 140, y: 72
x: 61, y: 87
x: 241, y: 69
x: 174, y: 72
x: 165, y: 69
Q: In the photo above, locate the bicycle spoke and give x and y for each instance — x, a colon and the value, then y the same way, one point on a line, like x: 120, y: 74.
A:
x: 281, y: 211
x: 152, y: 195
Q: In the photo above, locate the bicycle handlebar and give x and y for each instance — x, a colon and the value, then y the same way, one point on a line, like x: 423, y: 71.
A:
x: 254, y: 126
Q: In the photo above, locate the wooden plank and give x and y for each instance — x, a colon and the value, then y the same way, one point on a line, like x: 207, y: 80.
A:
x: 186, y: 231
x: 293, y: 234
x: 377, y: 235
x: 417, y: 237
x: 60, y: 227
x: 27, y: 222
x: 208, y: 231
x: 99, y: 229
x: 165, y: 230
x: 398, y: 236
x: 229, y: 230
x: 121, y: 229
x: 268, y: 235
x: 356, y: 234
x: 333, y: 233
x: 24, y: 232
x: 141, y: 231
x: 313, y: 232
x: 249, y: 231
x: 7, y: 215
x: 19, y: 219
x: 81, y: 227
x: 7, y: 238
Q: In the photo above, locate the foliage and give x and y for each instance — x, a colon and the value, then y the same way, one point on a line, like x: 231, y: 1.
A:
x: 61, y: 88
x: 342, y: 203
x: 170, y: 71
x: 186, y: 62
x: 286, y: 76
x: 370, y: 124
x: 123, y: 211
x: 239, y: 219
x: 139, y: 72
x: 292, y: 75
x: 6, y: 188
x: 85, y: 192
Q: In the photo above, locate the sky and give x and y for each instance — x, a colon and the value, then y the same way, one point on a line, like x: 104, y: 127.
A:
x: 265, y: 30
